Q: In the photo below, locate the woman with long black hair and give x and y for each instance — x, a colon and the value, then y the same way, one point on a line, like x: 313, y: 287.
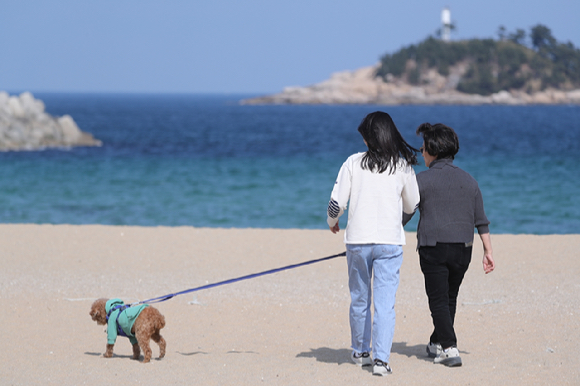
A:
x: 380, y: 186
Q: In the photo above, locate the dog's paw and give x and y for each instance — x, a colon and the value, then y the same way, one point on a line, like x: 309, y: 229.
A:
x: 109, y: 351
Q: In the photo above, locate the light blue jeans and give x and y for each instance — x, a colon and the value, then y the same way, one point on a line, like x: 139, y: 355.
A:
x: 384, y: 261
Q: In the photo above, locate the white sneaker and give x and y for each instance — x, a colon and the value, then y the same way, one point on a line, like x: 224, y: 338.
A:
x: 361, y: 359
x: 449, y: 357
x: 381, y: 368
x: 433, y: 349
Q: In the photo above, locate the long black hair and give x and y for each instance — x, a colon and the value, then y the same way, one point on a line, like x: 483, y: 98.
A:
x: 386, y: 145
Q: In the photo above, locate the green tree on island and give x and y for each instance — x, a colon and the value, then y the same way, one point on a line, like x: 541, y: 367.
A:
x: 514, y: 62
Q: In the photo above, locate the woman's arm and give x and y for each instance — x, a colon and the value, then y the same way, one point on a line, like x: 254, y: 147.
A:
x: 339, y: 198
x: 411, y: 198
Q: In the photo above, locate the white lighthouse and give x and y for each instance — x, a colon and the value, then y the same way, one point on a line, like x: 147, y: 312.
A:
x: 446, y: 21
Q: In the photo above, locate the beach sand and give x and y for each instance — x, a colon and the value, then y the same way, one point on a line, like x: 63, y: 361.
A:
x: 518, y: 325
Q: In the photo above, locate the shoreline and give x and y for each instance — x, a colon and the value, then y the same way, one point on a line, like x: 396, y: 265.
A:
x: 221, y: 228
x: 515, y: 325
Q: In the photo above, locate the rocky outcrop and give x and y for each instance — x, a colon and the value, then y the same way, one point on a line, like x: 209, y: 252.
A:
x: 24, y: 125
x: 363, y: 87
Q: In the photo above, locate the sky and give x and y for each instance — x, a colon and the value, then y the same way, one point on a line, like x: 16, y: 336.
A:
x: 234, y: 46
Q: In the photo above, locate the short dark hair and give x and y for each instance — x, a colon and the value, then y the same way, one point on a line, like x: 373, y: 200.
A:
x: 440, y: 140
x: 386, y: 145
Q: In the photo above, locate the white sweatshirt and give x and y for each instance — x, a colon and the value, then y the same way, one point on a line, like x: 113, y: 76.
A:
x: 377, y: 202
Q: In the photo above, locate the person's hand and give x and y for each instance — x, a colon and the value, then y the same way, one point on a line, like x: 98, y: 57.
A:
x: 488, y: 263
x: 335, y: 228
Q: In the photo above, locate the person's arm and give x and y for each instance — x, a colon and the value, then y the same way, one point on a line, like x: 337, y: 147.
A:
x: 482, y: 225
x: 488, y: 263
x: 411, y: 198
x: 334, y: 211
x: 339, y: 198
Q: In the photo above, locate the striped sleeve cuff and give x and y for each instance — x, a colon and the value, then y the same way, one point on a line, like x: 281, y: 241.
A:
x: 333, y: 209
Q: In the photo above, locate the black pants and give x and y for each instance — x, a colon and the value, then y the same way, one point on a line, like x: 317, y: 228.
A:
x: 444, y: 266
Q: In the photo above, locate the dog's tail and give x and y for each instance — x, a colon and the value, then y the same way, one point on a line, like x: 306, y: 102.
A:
x: 152, y: 317
x: 160, y: 322
x: 159, y: 319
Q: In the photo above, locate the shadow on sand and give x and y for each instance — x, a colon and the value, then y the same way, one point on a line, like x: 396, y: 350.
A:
x: 328, y: 355
x: 342, y: 355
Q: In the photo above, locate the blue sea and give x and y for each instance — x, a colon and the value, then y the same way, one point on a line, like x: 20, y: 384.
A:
x: 208, y: 161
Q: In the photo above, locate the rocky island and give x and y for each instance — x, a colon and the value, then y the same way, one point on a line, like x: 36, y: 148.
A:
x: 470, y: 72
x: 24, y: 125
x: 362, y: 86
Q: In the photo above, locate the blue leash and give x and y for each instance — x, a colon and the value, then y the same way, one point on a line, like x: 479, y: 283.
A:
x: 230, y: 281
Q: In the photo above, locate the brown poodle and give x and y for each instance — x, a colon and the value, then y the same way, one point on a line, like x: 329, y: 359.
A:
x: 145, y: 326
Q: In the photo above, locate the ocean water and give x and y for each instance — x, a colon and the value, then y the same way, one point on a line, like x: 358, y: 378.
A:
x: 207, y: 161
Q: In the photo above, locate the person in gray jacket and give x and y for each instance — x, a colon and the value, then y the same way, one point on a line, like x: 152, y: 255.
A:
x: 451, y: 206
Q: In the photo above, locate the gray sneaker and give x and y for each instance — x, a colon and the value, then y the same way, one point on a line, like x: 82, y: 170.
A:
x: 433, y: 349
x: 381, y: 368
x: 361, y: 359
x: 449, y: 357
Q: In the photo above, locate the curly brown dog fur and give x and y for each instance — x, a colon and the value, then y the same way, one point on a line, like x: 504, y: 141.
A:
x: 146, y: 327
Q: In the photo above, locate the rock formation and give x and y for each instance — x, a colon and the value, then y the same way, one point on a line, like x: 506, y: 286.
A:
x: 363, y: 87
x: 24, y: 125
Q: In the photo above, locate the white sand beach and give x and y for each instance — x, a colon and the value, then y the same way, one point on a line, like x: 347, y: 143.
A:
x: 516, y: 326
